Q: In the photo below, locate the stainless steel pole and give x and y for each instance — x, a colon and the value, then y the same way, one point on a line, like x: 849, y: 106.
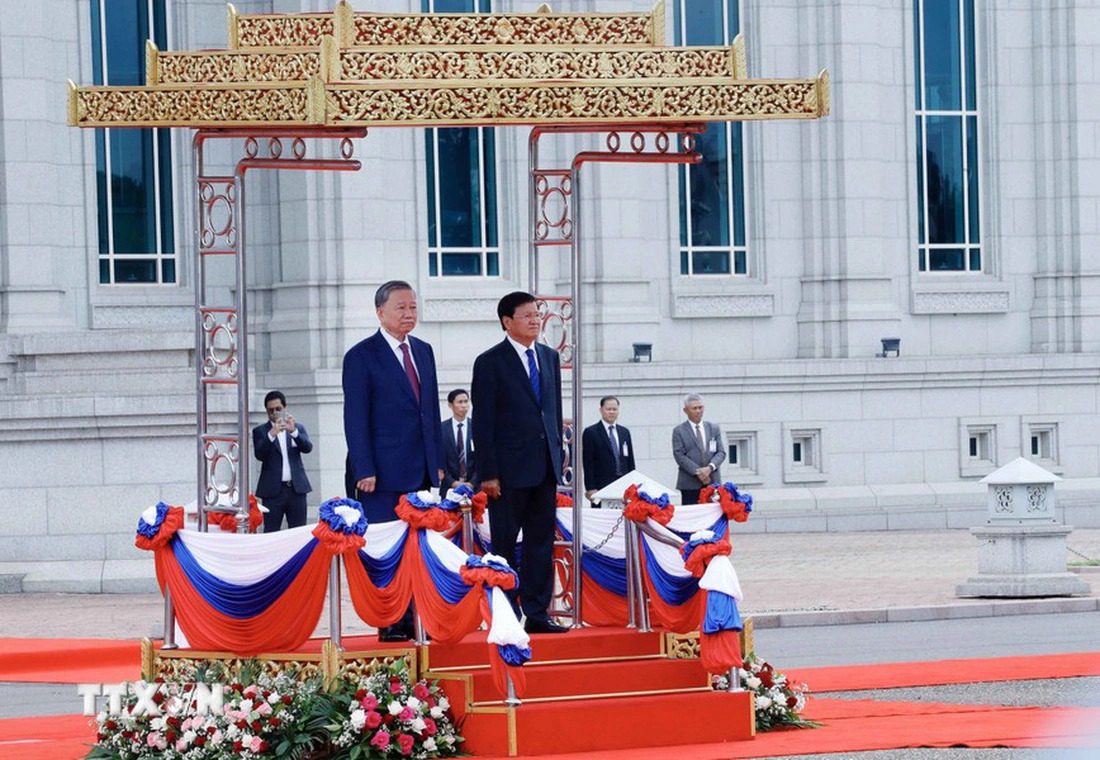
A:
x: 578, y: 362
x: 169, y: 622
x: 243, y: 483
x: 631, y: 588
x: 335, y: 613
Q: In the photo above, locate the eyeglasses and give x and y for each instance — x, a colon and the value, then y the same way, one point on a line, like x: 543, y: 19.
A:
x: 275, y: 409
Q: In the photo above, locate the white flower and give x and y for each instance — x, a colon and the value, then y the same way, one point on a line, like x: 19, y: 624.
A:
x: 418, y: 725
x: 449, y: 739
x: 752, y: 682
x: 414, y: 703
x: 429, y: 745
x: 358, y: 719
x: 444, y: 703
x: 437, y: 712
x: 395, y: 708
x: 763, y: 703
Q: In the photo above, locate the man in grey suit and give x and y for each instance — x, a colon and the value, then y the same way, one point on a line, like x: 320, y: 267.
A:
x: 698, y: 450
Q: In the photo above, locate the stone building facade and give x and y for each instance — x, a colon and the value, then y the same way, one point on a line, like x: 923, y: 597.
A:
x: 950, y: 201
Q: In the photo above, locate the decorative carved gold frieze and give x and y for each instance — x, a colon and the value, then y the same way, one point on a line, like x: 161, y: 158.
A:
x: 186, y: 106
x: 540, y: 28
x: 519, y: 62
x: 228, y: 66
x: 683, y: 101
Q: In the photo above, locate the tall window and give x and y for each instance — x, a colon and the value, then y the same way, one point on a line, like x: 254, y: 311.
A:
x: 462, y: 191
x: 133, y: 166
x: 948, y: 227
x: 712, y: 193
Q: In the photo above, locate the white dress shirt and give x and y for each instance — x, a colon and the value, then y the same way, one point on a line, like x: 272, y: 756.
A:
x: 282, y: 442
x: 521, y: 350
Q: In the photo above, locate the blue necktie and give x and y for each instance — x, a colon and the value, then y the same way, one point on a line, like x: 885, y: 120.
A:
x: 533, y: 374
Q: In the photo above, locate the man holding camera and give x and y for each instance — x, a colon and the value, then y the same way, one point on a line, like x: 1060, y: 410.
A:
x: 279, y: 444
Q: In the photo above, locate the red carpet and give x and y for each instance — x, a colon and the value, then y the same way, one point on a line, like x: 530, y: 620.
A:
x: 57, y: 737
x: 69, y: 660
x: 904, y: 674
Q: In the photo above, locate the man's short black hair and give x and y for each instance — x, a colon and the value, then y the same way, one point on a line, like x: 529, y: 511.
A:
x: 385, y: 289
x: 272, y: 395
x: 508, y: 305
x: 605, y: 399
x: 455, y: 394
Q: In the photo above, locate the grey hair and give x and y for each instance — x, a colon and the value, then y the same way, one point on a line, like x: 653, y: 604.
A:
x: 386, y: 289
x: 692, y: 398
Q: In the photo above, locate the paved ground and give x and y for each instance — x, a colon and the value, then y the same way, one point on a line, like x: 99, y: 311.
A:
x: 780, y: 572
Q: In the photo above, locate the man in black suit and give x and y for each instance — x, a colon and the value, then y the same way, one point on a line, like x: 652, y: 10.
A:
x: 458, y: 458
x: 517, y: 392
x: 279, y: 444
x: 608, y: 449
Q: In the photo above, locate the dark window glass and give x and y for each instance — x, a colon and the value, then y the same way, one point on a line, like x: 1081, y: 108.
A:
x: 919, y: 92
x: 710, y: 262
x: 975, y: 260
x: 973, y: 446
x: 703, y: 22
x: 461, y: 264
x: 429, y: 154
x: 104, y: 271
x: 945, y: 179
x: 681, y: 175
x: 1034, y: 445
x: 972, y: 176
x: 971, y: 53
x: 448, y: 6
x: 135, y: 270
x: 923, y: 260
x: 133, y: 211
x: 167, y: 229
x: 488, y: 143
x: 433, y: 265
x: 946, y: 260
x: 942, y: 65
x: 684, y: 266
x: 740, y: 265
x: 168, y: 270
x: 738, y: 185
x: 459, y: 202
x: 492, y: 264
x: 733, y: 453
x: 796, y: 454
x: 710, y: 190
x: 920, y: 180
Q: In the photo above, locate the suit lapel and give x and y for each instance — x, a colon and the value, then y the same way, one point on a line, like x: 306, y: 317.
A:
x: 387, y: 360
x: 520, y: 366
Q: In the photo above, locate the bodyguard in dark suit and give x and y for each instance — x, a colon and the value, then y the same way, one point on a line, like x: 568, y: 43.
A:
x: 517, y: 394
x: 698, y: 450
x: 391, y: 415
x: 279, y: 444
x: 458, y: 443
x: 608, y: 449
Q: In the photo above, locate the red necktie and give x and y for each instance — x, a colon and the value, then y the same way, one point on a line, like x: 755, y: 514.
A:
x: 410, y: 370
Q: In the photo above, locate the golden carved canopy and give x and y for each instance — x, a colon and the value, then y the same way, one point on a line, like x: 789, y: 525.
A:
x: 354, y: 69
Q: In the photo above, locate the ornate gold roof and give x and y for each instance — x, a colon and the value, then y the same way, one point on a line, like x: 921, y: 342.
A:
x: 350, y: 69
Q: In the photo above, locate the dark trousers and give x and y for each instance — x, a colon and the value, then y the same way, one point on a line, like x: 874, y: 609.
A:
x: 688, y: 496
x: 533, y: 511
x: 288, y: 503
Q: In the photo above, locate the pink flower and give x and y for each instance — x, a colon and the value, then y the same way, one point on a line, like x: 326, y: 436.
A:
x: 264, y: 709
x: 381, y: 740
x: 374, y: 720
x: 420, y: 691
x: 406, y: 742
x: 251, y: 692
x: 368, y: 702
x: 395, y: 687
x: 430, y: 727
x: 256, y: 745
x: 181, y: 745
x: 406, y: 714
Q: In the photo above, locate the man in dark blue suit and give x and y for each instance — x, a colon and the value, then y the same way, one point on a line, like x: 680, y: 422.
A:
x: 517, y: 394
x: 279, y: 444
x: 391, y: 414
x: 458, y: 457
x: 608, y: 449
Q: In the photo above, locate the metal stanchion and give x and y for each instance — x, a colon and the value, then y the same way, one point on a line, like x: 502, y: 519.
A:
x: 631, y: 586
x: 512, y: 700
x: 421, y: 634
x: 734, y: 679
x: 169, y: 622
x: 639, y: 582
x: 335, y: 613
x: 467, y: 529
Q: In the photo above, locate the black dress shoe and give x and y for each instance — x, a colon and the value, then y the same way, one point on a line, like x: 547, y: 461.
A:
x: 544, y: 626
x: 393, y: 633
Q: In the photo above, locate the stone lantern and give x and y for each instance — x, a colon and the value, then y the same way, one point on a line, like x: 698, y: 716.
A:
x: 1023, y: 546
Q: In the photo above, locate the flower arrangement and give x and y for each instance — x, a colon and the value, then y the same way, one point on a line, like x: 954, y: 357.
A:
x: 383, y: 715
x: 386, y: 715
x: 639, y: 506
x: 228, y: 522
x: 779, y: 701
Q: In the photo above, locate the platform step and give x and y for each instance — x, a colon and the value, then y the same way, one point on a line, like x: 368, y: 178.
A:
x: 593, y: 679
x: 581, y: 644
x: 592, y: 725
